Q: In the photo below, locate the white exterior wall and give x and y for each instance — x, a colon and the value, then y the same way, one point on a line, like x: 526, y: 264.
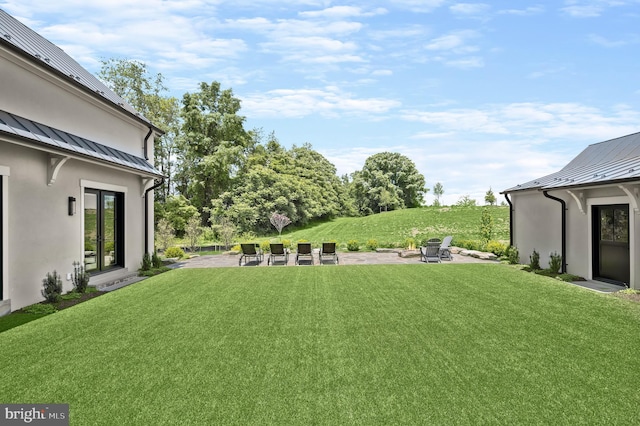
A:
x: 42, y: 237
x: 30, y: 93
x: 537, y: 225
x: 39, y: 234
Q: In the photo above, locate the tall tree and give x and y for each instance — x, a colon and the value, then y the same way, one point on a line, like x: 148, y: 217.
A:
x: 132, y: 81
x: 389, y: 180
x: 213, y: 146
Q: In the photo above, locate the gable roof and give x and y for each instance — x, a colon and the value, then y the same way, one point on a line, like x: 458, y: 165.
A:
x: 40, y: 51
x: 613, y: 161
x: 65, y: 143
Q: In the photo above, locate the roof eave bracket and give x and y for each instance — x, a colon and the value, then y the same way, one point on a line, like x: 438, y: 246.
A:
x: 633, y: 197
x: 579, y: 198
x: 55, y: 164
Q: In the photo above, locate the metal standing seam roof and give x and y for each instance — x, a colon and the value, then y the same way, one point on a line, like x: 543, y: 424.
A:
x: 17, y: 35
x: 67, y: 143
x: 615, y: 160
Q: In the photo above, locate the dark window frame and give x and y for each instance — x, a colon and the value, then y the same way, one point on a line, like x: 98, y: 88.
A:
x: 119, y: 230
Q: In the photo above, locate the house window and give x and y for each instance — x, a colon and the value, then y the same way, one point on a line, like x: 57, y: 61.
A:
x: 103, y: 230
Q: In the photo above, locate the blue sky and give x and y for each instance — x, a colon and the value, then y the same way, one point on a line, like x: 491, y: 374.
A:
x: 477, y: 94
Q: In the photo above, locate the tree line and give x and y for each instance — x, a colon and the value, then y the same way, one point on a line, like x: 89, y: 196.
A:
x: 221, y: 173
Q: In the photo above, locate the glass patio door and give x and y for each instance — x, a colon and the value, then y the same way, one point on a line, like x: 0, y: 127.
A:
x: 611, y: 243
x: 103, y: 230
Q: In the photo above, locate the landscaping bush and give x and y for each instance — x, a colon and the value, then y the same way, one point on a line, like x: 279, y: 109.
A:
x: 80, y: 277
x: 496, y: 247
x: 156, y: 262
x: 410, y: 243
x: 513, y: 255
x: 266, y: 246
x: 534, y: 260
x: 146, y: 262
x: 372, y: 244
x: 40, y: 309
x: 352, y: 245
x: 555, y: 263
x: 286, y: 243
x: 174, y: 252
x: 52, y: 287
x: 470, y: 244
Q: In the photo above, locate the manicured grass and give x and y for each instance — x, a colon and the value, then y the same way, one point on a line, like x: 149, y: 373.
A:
x: 394, y: 227
x: 380, y: 344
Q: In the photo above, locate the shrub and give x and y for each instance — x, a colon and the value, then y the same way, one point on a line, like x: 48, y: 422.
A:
x: 470, y: 244
x: 513, y: 255
x: 266, y: 246
x: 40, y: 309
x: 174, y: 252
x: 286, y: 243
x: 146, y: 262
x: 80, y: 277
x: 372, y: 244
x: 52, y: 287
x: 555, y: 263
x: 496, y: 247
x: 410, y: 243
x: 156, y: 262
x: 352, y: 245
x: 535, y: 260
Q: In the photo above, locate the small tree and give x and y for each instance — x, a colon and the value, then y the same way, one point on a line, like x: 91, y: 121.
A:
x: 279, y: 221
x: 164, y: 234
x: 486, y: 225
x: 225, y: 230
x: 489, y: 197
x: 466, y: 201
x: 193, y: 231
x: 438, y: 190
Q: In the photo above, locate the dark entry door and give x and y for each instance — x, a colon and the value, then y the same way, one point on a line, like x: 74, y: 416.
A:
x: 611, y: 243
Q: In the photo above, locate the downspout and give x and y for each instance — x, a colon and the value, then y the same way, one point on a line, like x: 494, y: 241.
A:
x: 506, y: 196
x: 146, y: 214
x: 146, y: 139
x: 564, y: 229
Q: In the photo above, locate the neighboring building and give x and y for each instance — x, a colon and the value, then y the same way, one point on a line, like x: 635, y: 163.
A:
x: 75, y: 170
x: 588, y: 212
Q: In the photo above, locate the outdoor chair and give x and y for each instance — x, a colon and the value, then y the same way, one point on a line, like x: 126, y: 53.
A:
x: 445, y: 251
x: 329, y: 250
x: 430, y: 252
x: 278, y: 252
x: 304, y: 251
x: 250, y: 250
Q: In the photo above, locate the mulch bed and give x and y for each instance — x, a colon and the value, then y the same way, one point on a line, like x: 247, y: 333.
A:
x: 63, y: 304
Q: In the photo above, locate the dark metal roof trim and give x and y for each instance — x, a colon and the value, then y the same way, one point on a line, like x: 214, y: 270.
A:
x: 39, y: 50
x: 55, y: 138
x: 613, y: 161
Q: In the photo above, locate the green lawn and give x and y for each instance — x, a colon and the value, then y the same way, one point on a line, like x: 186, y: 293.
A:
x: 394, y: 227
x: 381, y: 344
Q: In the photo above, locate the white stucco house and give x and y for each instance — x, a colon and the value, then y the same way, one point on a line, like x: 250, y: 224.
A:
x: 588, y: 212
x: 76, y: 171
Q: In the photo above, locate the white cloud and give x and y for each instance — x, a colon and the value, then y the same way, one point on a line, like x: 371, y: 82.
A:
x: 328, y: 102
x: 341, y: 12
x: 469, y: 9
x: 529, y: 11
x: 592, y: 8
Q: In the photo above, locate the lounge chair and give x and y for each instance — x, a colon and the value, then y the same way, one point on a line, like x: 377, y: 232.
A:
x: 250, y: 250
x: 304, y: 250
x: 445, y: 251
x: 328, y: 250
x: 430, y: 252
x: 278, y: 252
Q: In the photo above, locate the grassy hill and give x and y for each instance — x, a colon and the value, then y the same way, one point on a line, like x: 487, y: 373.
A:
x: 391, y: 229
